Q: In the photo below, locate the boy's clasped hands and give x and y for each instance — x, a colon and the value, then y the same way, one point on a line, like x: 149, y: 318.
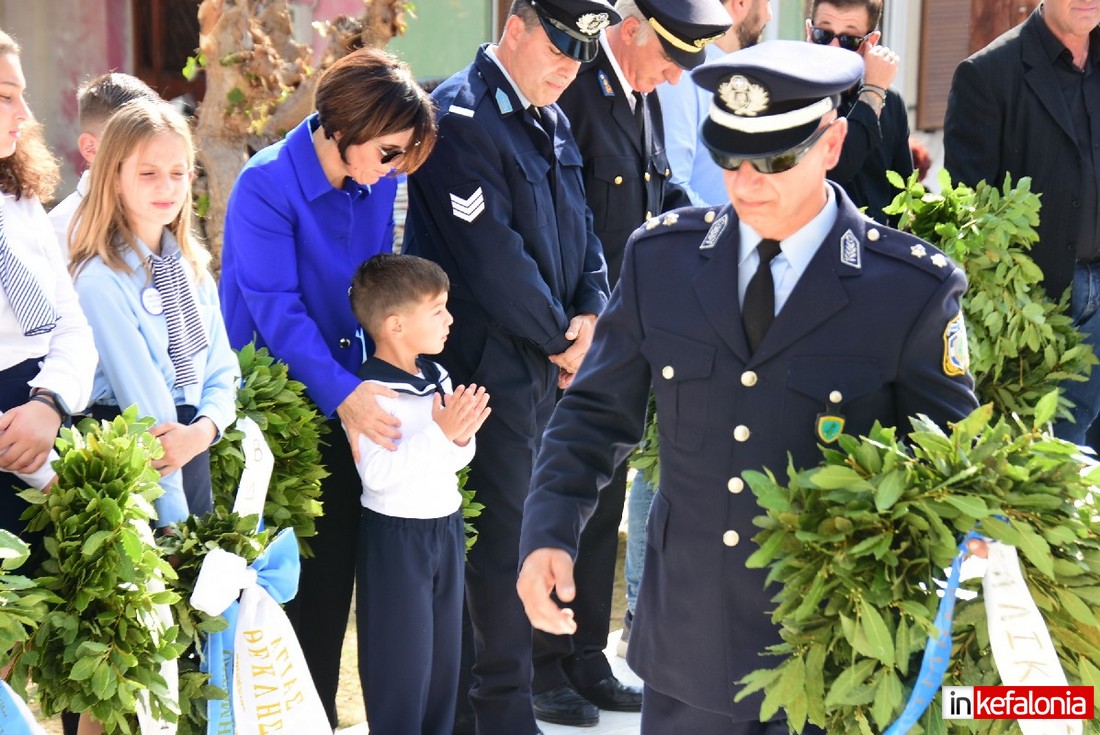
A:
x: 462, y: 413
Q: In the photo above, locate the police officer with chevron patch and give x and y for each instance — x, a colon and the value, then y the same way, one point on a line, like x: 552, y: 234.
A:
x: 766, y: 327
x: 617, y: 122
x: 500, y: 206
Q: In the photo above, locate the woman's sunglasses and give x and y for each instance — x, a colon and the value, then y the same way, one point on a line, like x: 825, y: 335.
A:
x: 389, y: 156
x: 776, y: 164
x: 824, y: 38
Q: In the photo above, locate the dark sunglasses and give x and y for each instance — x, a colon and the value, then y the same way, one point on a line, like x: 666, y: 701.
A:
x: 824, y: 38
x: 776, y: 164
x: 389, y: 156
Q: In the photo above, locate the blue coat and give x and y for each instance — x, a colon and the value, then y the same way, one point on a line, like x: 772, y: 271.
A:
x: 292, y: 244
x: 500, y: 205
x: 863, y: 335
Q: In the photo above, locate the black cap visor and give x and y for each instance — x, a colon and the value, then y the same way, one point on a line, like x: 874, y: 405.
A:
x: 681, y: 58
x: 572, y: 45
x: 736, y: 143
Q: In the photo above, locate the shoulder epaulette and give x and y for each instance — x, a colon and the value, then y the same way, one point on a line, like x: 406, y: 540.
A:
x: 910, y: 249
x: 679, y: 220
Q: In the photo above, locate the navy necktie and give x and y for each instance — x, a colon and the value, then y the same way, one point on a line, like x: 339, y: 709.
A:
x: 186, y: 335
x: 33, y: 310
x: 758, y: 311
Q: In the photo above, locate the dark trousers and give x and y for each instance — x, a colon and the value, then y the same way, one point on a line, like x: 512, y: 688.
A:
x: 579, y: 659
x: 409, y: 614
x: 500, y: 475
x: 665, y: 715
x: 320, y: 611
x: 14, y: 391
x: 197, y: 485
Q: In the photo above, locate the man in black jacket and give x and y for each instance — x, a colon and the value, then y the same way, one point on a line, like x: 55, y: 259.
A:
x: 616, y: 121
x: 1028, y: 104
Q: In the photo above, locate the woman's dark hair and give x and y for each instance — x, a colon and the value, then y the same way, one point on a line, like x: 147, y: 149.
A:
x: 31, y: 170
x: 370, y: 93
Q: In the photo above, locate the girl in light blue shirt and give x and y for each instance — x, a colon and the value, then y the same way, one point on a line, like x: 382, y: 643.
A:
x: 153, y: 306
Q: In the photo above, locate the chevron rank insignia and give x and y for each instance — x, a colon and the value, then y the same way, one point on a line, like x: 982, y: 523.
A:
x: 469, y: 208
x: 605, y: 84
x: 849, y: 250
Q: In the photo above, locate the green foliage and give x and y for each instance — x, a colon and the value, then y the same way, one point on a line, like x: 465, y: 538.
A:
x: 186, y: 549
x: 470, y: 508
x: 91, y: 650
x: 292, y: 426
x: 645, y: 457
x: 1022, y: 343
x: 22, y: 603
x: 193, y: 66
x: 857, y: 543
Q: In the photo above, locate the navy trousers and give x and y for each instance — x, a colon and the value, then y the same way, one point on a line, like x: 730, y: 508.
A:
x: 320, y: 611
x: 14, y: 391
x: 409, y: 613
x: 665, y: 715
x: 500, y: 474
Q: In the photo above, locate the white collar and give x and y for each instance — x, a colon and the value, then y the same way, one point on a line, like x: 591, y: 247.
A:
x: 491, y: 52
x: 618, y: 70
x: 800, y: 247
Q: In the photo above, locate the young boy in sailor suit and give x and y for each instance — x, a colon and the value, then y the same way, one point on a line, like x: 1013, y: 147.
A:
x: 412, y: 541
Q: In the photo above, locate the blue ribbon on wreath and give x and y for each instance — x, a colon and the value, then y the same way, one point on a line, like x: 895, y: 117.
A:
x: 937, y: 652
x: 277, y: 571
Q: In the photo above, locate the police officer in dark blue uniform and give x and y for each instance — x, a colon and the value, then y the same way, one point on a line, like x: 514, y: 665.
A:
x: 765, y: 328
x: 617, y: 123
x: 500, y: 205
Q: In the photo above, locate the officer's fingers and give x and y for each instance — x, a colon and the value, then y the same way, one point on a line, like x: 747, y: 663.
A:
x: 561, y: 567
x: 536, y: 580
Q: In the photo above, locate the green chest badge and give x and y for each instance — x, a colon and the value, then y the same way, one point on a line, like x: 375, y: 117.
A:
x: 829, y: 427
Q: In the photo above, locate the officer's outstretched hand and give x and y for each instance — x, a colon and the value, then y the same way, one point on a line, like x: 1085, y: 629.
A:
x: 544, y: 571
x: 581, y: 328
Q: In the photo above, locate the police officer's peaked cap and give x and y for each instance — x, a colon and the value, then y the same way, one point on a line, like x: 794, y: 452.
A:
x: 685, y: 27
x: 574, y: 25
x: 769, y: 98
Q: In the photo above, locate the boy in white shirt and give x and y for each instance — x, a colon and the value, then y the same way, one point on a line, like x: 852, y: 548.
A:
x: 412, y: 542
x: 96, y: 100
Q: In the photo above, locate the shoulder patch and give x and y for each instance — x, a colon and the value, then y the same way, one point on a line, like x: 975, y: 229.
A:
x: 457, y: 110
x: 910, y: 249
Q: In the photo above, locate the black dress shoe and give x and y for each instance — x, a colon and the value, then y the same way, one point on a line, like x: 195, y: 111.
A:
x: 563, y: 706
x: 612, y: 695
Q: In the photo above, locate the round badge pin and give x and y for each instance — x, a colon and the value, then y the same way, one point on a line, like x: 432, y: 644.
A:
x: 150, y: 299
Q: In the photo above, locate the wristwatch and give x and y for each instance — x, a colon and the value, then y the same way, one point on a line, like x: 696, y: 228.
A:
x: 42, y: 395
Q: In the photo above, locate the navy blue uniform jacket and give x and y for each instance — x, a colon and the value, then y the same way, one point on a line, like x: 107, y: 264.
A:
x: 626, y: 179
x: 500, y: 205
x: 868, y: 320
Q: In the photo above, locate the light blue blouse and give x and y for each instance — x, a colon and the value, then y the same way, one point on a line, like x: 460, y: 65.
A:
x: 134, y: 366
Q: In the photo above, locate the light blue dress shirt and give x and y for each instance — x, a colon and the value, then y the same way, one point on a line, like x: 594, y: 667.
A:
x: 684, y: 106
x: 134, y: 366
x: 795, y: 254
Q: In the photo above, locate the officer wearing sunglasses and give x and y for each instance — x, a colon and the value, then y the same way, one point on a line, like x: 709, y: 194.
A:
x: 754, y: 362
x: 878, y: 126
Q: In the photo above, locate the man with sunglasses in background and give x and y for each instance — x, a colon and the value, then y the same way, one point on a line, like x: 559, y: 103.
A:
x: 766, y: 327
x: 878, y: 124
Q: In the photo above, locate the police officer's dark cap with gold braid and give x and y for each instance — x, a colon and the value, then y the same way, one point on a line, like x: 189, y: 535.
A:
x: 574, y: 25
x: 685, y: 27
x: 770, y: 98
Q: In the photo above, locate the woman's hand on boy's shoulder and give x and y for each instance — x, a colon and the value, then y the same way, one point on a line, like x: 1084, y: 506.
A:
x: 361, y: 415
x: 463, y: 412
